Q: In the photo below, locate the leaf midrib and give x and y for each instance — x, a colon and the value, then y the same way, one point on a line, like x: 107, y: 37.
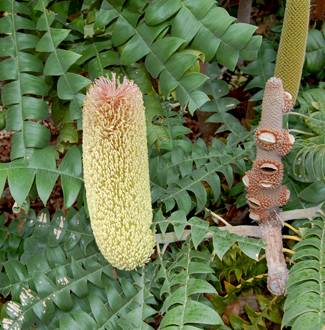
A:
x: 48, y: 27
x: 54, y: 171
x: 170, y: 74
x: 13, y: 15
x: 201, y: 178
x: 185, y: 286
x: 51, y: 295
x: 27, y: 279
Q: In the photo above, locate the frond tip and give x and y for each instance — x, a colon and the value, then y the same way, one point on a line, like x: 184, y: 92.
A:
x: 116, y: 174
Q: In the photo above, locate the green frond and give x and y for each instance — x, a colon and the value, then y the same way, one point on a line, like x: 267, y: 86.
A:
x: 220, y: 104
x: 184, y: 285
x: 11, y: 239
x: 308, y: 156
x: 309, y: 161
x: 42, y: 168
x: 171, y: 39
x: 58, y: 60
x: 181, y: 173
x: 24, y: 88
x: 97, y: 57
x: 61, y: 281
x: 261, y: 69
x: 200, y: 230
x: 304, y: 306
x: 315, y: 52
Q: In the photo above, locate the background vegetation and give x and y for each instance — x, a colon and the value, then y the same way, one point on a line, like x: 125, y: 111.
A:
x: 202, y: 74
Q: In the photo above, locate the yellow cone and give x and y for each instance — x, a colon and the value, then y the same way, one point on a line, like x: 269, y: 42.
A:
x: 116, y: 174
x: 291, y: 52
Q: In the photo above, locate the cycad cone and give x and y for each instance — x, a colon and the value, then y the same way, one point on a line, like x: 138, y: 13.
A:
x: 116, y: 174
x: 292, y: 48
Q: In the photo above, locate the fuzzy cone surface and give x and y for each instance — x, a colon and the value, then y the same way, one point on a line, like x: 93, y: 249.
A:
x: 291, y: 52
x: 116, y: 173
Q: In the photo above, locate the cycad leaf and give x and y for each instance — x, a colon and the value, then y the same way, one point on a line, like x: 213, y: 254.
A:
x: 20, y: 181
x: 192, y: 23
x: 55, y: 284
x: 42, y: 164
x: 308, y: 156
x: 71, y: 184
x: 22, y: 85
x: 70, y: 84
x: 59, y: 62
x: 306, y: 282
x: 201, y: 164
x: 160, y: 10
x: 51, y: 39
x: 181, y: 308
x: 45, y: 179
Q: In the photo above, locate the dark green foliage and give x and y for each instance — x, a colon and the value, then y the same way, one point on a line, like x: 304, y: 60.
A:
x: 183, y: 170
x: 172, y: 57
x: 62, y: 281
x: 220, y: 104
x: 315, y: 53
x: 42, y: 167
x: 10, y: 240
x: 59, y: 279
x: 200, y: 230
x: 185, y: 281
x: 303, y: 308
x: 22, y: 70
x: 309, y: 153
x: 261, y: 69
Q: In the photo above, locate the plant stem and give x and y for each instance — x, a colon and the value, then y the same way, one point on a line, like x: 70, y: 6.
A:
x: 244, y: 11
x: 248, y: 231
